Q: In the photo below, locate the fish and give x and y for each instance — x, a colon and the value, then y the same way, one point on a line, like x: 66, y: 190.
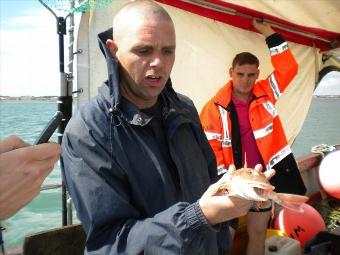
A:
x: 250, y: 184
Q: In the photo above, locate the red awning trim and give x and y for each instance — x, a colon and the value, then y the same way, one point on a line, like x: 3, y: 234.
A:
x: 240, y: 17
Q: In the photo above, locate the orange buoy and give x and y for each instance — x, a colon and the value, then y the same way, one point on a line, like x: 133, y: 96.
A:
x: 329, y: 174
x: 302, y: 226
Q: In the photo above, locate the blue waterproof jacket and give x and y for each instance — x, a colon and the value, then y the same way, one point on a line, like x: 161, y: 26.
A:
x: 126, y: 200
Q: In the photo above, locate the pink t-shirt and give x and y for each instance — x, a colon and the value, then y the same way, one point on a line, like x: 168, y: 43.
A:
x: 249, y: 146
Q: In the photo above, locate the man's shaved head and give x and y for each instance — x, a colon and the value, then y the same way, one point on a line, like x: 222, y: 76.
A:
x: 136, y: 12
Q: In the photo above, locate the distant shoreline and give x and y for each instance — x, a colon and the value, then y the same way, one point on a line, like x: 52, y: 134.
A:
x: 28, y: 99
x: 54, y: 99
x: 327, y: 96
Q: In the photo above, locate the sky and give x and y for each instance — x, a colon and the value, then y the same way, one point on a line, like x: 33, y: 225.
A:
x: 29, y: 53
x: 29, y: 62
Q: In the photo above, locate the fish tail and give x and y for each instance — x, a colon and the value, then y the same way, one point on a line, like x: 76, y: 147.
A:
x: 289, y: 201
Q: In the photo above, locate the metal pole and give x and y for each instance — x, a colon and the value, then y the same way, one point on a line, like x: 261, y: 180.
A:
x: 232, y: 11
x: 70, y: 50
x: 64, y: 102
x: 65, y: 98
x: 67, y: 215
x: 69, y: 211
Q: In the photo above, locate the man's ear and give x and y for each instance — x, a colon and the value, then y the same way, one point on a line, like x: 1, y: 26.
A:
x: 258, y: 74
x: 112, y: 46
x: 230, y: 71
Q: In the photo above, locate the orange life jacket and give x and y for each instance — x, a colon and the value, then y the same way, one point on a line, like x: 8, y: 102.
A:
x: 265, y: 122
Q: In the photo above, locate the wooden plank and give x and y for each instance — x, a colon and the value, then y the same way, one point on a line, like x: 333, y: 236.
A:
x: 69, y: 240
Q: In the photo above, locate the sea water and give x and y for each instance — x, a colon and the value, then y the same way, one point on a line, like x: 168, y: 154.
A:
x: 322, y: 126
x: 27, y: 120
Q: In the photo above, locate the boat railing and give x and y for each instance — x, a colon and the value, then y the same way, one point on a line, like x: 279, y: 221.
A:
x: 309, y: 166
x: 50, y: 186
x: 69, y: 204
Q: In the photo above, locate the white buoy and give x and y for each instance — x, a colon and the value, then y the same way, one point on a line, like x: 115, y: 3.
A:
x: 329, y: 174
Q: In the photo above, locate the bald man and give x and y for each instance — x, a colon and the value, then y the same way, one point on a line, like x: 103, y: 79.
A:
x: 137, y: 163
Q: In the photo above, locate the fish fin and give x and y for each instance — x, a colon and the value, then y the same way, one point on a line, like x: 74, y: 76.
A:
x: 292, y: 198
x: 290, y: 201
x: 245, y: 160
x: 291, y: 206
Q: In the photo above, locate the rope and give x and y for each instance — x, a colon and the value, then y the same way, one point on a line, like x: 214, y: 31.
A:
x: 322, y: 149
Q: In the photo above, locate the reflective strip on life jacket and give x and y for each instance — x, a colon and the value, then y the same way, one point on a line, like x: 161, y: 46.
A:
x: 221, y: 169
x: 226, y: 141
x: 278, y: 49
x: 263, y: 131
x: 277, y: 157
x: 270, y: 108
x: 213, y: 136
x: 274, y: 86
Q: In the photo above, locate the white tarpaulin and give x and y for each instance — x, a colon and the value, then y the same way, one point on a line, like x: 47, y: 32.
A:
x: 206, y: 47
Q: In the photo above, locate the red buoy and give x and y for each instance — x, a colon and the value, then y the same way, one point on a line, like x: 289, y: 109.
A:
x: 302, y: 226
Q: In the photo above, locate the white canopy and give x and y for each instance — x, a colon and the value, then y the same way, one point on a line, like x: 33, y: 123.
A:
x: 206, y: 47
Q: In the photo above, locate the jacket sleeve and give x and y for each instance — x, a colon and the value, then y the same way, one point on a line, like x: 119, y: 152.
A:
x: 212, y: 126
x: 112, y: 223
x: 285, y: 67
x: 204, y: 143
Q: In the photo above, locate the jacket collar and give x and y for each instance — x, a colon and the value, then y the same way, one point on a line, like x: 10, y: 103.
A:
x: 112, y: 69
x: 223, y: 95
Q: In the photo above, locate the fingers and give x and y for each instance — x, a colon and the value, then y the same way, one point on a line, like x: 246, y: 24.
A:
x: 11, y: 143
x: 231, y: 168
x: 22, y: 187
x: 258, y: 168
x: 269, y: 173
x: 41, y: 169
x: 221, y: 186
x: 24, y: 176
x: 23, y: 171
x: 254, y: 22
x: 48, y: 166
x: 257, y: 23
x: 212, y: 190
x: 41, y: 151
x: 262, y: 27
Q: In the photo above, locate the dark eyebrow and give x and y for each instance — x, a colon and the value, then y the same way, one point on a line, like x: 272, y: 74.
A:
x: 239, y: 73
x: 171, y: 47
x: 142, y: 47
x: 146, y: 47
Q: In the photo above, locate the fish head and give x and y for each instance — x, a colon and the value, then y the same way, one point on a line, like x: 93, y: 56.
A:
x: 249, y: 184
